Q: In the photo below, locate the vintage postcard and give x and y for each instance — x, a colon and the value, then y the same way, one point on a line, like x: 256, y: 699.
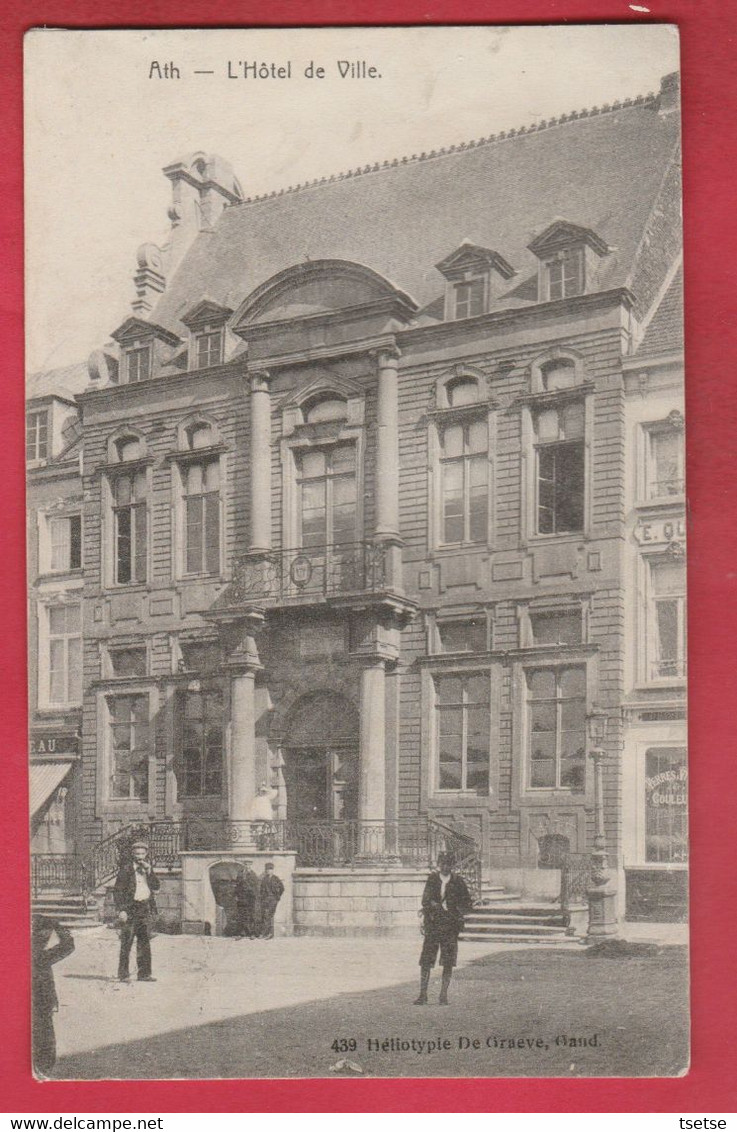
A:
x: 355, y: 450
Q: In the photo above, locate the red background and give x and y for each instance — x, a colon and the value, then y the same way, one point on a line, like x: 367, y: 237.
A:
x: 709, y: 62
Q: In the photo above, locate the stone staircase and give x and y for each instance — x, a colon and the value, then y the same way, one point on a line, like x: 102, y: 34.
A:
x: 499, y: 916
x: 71, y: 909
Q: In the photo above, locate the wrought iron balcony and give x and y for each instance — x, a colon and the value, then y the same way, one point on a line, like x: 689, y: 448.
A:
x: 311, y: 573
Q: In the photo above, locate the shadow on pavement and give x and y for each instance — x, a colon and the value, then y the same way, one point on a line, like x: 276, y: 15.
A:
x: 526, y: 1013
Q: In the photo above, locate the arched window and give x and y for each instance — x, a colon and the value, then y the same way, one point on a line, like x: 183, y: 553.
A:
x: 129, y: 448
x: 199, y: 435
x: 328, y: 408
x: 558, y: 374
x: 462, y: 391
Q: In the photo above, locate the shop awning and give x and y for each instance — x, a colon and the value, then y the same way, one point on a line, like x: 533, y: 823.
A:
x: 44, y: 780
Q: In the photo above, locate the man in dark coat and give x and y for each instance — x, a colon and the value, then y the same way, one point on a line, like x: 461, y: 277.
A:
x: 270, y: 894
x: 445, y: 901
x: 133, y: 894
x: 247, y: 897
x: 45, y: 1001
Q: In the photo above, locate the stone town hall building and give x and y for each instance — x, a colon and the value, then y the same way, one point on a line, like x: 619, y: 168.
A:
x: 381, y: 504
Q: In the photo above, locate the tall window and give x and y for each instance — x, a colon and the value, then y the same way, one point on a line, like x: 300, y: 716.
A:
x: 559, y: 440
x: 202, y: 744
x: 464, y: 471
x: 65, y: 542
x: 565, y: 274
x: 556, y: 704
x: 65, y: 654
x: 469, y: 298
x: 664, y: 462
x: 327, y: 489
x: 138, y: 363
x: 37, y: 435
x: 202, y: 517
x: 667, y: 620
x: 666, y: 805
x: 209, y: 348
x: 463, y: 731
x: 130, y: 525
x: 129, y: 736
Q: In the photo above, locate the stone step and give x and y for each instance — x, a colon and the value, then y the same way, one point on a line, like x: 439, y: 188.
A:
x: 544, y: 940
x: 494, y: 928
x: 498, y: 897
x: 554, y: 920
x: 516, y: 910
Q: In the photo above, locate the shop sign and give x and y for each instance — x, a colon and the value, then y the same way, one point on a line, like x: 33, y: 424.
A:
x: 53, y: 743
x: 669, y: 788
x: 660, y: 530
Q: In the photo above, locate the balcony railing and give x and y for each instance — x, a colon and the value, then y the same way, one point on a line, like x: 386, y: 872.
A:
x: 57, y: 872
x: 315, y: 572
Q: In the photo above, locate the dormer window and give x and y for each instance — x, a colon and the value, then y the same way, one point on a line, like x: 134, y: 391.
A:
x: 209, y: 347
x: 566, y: 274
x: 138, y: 363
x: 469, y: 299
x: 37, y: 435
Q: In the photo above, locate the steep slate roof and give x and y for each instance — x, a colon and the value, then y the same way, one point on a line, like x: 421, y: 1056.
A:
x: 664, y: 334
x: 599, y: 169
x: 67, y: 381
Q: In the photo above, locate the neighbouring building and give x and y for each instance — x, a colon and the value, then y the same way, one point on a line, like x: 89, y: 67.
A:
x: 381, y: 506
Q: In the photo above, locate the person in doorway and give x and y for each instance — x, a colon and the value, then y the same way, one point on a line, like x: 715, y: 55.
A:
x: 133, y: 895
x: 445, y: 901
x: 45, y: 1002
x: 247, y: 890
x: 271, y: 892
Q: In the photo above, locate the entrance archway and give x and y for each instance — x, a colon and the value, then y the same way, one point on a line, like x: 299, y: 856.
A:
x: 321, y: 759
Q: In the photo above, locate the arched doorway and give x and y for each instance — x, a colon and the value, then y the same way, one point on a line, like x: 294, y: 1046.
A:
x: 321, y: 759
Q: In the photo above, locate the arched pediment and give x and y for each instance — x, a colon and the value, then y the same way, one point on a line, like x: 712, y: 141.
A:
x: 317, y: 287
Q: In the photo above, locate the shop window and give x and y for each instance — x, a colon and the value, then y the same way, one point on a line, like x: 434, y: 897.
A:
x: 667, y: 620
x: 327, y: 496
x: 664, y: 460
x: 666, y: 805
x: 65, y: 654
x: 128, y: 661
x: 556, y: 627
x: 469, y: 298
x: 466, y: 634
x: 65, y: 543
x: 556, y: 705
x: 464, y: 482
x: 201, y: 507
x: 462, y: 706
x: 560, y: 462
x: 130, y: 747
x: 37, y: 436
x: 130, y: 526
x: 201, y: 744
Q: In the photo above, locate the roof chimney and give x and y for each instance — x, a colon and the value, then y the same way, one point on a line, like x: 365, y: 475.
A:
x: 202, y: 184
x: 670, y: 93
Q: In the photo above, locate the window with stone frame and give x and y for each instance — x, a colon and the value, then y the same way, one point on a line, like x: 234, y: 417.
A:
x: 201, y: 516
x: 127, y: 661
x: 462, y: 634
x: 326, y: 480
x: 565, y: 273
x: 468, y: 298
x: 666, y: 645
x: 556, y: 727
x: 664, y: 458
x: 463, y: 731
x: 201, y: 748
x: 64, y: 543
x: 137, y: 363
x: 37, y: 435
x: 129, y: 743
x: 559, y: 432
x: 64, y: 627
x: 209, y: 348
x: 464, y: 482
x: 560, y: 626
x: 130, y: 526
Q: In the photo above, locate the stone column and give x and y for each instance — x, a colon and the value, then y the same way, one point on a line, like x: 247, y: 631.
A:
x: 372, y: 741
x: 260, y: 466
x: 387, y: 445
x: 243, y: 664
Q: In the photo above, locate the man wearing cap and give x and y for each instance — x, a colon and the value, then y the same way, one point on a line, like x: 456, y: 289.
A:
x: 135, y: 885
x: 271, y: 893
x: 445, y: 901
